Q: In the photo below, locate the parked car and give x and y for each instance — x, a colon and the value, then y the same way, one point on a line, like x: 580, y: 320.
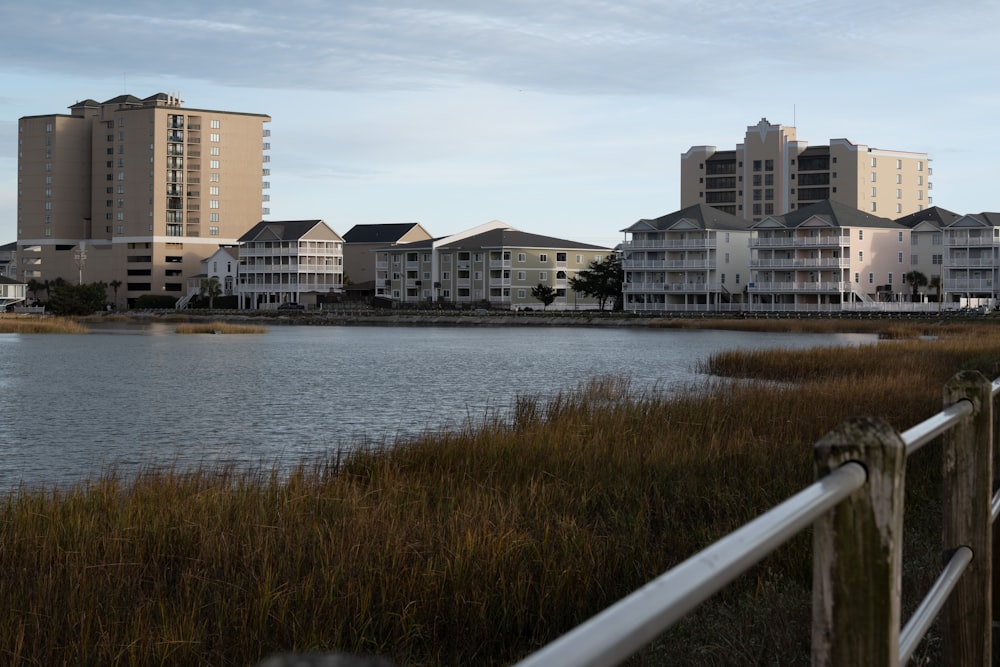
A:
x: 288, y: 305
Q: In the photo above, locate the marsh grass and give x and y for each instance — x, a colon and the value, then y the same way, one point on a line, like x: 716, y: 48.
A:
x: 473, y: 546
x: 219, y: 328
x: 45, y: 324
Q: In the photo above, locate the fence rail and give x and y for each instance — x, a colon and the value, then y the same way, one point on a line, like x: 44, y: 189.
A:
x: 856, y: 509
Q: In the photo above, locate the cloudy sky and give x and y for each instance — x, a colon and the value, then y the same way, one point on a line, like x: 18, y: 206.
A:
x: 559, y: 117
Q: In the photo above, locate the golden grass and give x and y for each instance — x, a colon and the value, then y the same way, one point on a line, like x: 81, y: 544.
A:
x: 28, y: 324
x: 219, y: 328
x: 473, y: 546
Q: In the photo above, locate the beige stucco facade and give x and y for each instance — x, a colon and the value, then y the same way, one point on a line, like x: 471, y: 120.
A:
x: 136, y: 190
x: 772, y: 173
x: 491, y: 264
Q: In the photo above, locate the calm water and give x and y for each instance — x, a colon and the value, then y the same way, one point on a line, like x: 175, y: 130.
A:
x: 135, y: 397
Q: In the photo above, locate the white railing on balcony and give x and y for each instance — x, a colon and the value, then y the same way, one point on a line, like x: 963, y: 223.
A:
x: 669, y: 244
x: 971, y: 261
x: 800, y: 287
x: 971, y: 241
x: 981, y: 285
x: 800, y: 263
x: 797, y: 241
x: 648, y: 288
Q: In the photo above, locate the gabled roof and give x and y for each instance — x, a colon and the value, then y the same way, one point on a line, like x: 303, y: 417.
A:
x: 514, y: 238
x: 283, y: 230
x: 700, y: 215
x: 976, y: 220
x: 835, y: 214
x: 387, y: 233
x: 935, y: 215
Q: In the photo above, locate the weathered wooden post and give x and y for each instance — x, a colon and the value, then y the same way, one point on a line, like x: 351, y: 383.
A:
x: 967, y: 514
x: 857, y: 550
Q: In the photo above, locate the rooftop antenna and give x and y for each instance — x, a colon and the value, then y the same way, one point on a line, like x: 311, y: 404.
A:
x: 793, y: 116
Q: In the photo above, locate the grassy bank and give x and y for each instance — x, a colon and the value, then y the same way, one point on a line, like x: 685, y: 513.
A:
x: 474, y: 546
x: 28, y: 324
x: 219, y: 328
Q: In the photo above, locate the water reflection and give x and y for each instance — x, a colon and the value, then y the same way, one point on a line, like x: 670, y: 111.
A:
x: 133, y: 396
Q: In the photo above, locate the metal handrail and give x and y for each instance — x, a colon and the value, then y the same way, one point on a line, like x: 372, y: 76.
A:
x: 923, y: 617
x: 924, y: 432
x: 625, y: 627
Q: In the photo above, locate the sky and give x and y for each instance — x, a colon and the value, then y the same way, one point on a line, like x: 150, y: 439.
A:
x: 565, y: 118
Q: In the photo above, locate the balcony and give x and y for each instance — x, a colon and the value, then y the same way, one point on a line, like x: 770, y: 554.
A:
x: 966, y: 240
x: 973, y: 285
x: 971, y: 262
x: 826, y: 240
x: 675, y: 288
x: 801, y: 287
x: 801, y: 263
x: 668, y: 244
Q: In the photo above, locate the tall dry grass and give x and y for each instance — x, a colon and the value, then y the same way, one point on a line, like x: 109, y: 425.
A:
x: 41, y: 324
x: 473, y: 546
x: 219, y: 328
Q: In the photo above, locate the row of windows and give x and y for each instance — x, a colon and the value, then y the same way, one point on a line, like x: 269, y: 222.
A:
x: 478, y: 257
x: 521, y: 276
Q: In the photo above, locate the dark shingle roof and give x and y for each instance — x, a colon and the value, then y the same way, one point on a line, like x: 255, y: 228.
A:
x: 283, y: 230
x: 837, y: 214
x: 706, y: 217
x: 513, y: 238
x: 935, y: 214
x: 388, y: 233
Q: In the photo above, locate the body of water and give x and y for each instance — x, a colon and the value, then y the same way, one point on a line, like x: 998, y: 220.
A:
x: 133, y: 397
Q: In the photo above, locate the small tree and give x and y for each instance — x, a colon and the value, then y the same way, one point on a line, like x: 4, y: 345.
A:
x: 544, y: 293
x: 35, y: 286
x: 211, y: 288
x: 69, y: 299
x: 916, y: 280
x: 602, y: 279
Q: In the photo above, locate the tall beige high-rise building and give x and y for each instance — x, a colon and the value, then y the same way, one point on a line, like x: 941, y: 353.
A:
x: 137, y: 191
x: 773, y: 173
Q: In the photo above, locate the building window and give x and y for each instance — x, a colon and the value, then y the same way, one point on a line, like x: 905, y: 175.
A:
x: 861, y: 257
x: 768, y: 165
x: 899, y: 257
x: 920, y: 180
x: 920, y: 194
x: 727, y: 258
x: 214, y: 124
x: 861, y: 235
x: 213, y: 203
x: 756, y: 165
x: 899, y: 164
x: 873, y: 177
x: 890, y: 279
x: 874, y: 207
x: 214, y: 150
x: 213, y: 164
x: 521, y: 257
x: 920, y: 165
x: 871, y: 278
x: 914, y: 260
x: 543, y: 276
x: 874, y: 162
x: 520, y: 275
x: 901, y: 237
x: 520, y: 294
x: 874, y: 193
x: 936, y: 238
x: 213, y: 231
x: 543, y: 257
x: 857, y: 277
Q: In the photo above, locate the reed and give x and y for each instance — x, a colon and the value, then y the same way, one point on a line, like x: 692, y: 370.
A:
x: 219, y: 328
x: 472, y: 546
x: 41, y: 324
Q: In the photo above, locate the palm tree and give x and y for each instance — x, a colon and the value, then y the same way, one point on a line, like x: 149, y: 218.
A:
x: 34, y: 286
x: 115, y: 284
x: 211, y: 288
x: 935, y: 284
x: 916, y: 280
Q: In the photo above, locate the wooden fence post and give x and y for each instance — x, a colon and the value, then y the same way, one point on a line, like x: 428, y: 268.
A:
x: 966, y: 626
x: 857, y: 550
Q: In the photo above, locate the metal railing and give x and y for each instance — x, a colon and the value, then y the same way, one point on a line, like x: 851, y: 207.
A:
x: 856, y: 510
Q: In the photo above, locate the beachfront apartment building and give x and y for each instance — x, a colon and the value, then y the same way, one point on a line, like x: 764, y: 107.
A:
x: 773, y: 173
x: 360, y: 244
x: 136, y: 190
x: 696, y: 258
x: 290, y: 261
x: 491, y: 264
x: 971, y: 266
x: 827, y: 256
